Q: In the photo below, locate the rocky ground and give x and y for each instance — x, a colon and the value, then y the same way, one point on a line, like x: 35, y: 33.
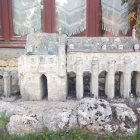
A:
x: 97, y: 115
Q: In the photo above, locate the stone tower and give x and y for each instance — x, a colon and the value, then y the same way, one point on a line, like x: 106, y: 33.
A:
x: 42, y: 71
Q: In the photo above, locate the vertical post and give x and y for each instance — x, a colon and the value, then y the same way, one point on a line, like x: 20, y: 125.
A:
x: 127, y: 76
x: 79, y: 79
x: 127, y: 84
x: 110, y: 87
x: 7, y: 84
x: 94, y: 81
x: 79, y: 85
x: 134, y: 34
x: 121, y: 84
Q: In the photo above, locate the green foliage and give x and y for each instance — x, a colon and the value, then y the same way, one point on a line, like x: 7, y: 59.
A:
x: 133, y: 17
x: 75, y: 134
x: 3, y: 119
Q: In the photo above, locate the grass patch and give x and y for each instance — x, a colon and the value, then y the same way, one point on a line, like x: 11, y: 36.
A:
x: 3, y: 119
x: 67, y: 135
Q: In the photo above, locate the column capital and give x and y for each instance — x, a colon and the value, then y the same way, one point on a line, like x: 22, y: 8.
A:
x: 6, y: 74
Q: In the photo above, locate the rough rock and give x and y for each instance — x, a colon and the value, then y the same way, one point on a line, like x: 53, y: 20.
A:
x: 125, y: 113
x: 127, y: 118
x: 57, y: 119
x: 96, y: 115
x: 25, y: 124
x: 93, y: 114
x: 11, y: 108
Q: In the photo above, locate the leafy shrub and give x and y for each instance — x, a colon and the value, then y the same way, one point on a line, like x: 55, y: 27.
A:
x: 3, y: 119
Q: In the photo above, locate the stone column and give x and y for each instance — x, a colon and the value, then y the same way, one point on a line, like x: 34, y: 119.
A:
x: 79, y: 78
x: 110, y: 80
x: 110, y: 86
x: 127, y: 76
x: 121, y: 84
x: 79, y: 85
x: 127, y: 84
x: 94, y: 88
x: 7, y: 84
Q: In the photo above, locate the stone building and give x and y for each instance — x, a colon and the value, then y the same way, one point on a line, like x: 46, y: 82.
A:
x: 83, y: 18
x: 43, y: 73
x: 44, y: 70
x: 109, y: 55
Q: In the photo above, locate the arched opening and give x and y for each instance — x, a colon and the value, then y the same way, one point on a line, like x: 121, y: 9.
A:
x: 135, y: 83
x: 102, y: 84
x: 44, y: 87
x: 71, y: 85
x: 14, y: 84
x: 118, y: 84
x: 1, y: 85
x: 86, y: 83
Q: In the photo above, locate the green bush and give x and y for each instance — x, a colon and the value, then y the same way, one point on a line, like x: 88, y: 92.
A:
x: 3, y: 119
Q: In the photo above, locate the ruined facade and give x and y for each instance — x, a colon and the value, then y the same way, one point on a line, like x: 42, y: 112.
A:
x: 43, y: 71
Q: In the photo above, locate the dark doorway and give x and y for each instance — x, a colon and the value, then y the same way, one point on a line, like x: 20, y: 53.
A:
x: 1, y: 85
x: 134, y: 75
x: 44, y: 87
x: 118, y: 84
x: 102, y: 83
x: 71, y: 85
x: 86, y: 82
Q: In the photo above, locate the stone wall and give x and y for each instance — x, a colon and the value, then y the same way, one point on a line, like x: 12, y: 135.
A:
x: 9, y: 64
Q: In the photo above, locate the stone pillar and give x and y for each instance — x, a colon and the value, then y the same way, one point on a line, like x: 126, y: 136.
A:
x: 127, y: 76
x: 110, y: 85
x: 94, y: 88
x: 79, y: 78
x: 62, y: 74
x: 110, y: 80
x: 127, y: 84
x: 121, y: 84
x: 79, y: 85
x: 7, y: 84
x: 138, y: 82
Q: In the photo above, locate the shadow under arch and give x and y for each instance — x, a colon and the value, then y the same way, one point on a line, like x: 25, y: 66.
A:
x: 87, y: 83
x: 1, y: 85
x: 102, y: 83
x: 44, y: 86
x: 119, y: 83
x: 135, y: 82
x: 71, y: 84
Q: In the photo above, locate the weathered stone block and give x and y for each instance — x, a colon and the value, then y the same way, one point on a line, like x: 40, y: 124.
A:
x: 3, y: 63
x: 13, y: 63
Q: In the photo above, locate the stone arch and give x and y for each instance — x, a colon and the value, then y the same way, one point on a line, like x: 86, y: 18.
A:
x: 44, y: 86
x: 86, y: 83
x: 135, y: 82
x: 71, y: 93
x: 119, y: 83
x: 102, y: 83
x: 1, y: 85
